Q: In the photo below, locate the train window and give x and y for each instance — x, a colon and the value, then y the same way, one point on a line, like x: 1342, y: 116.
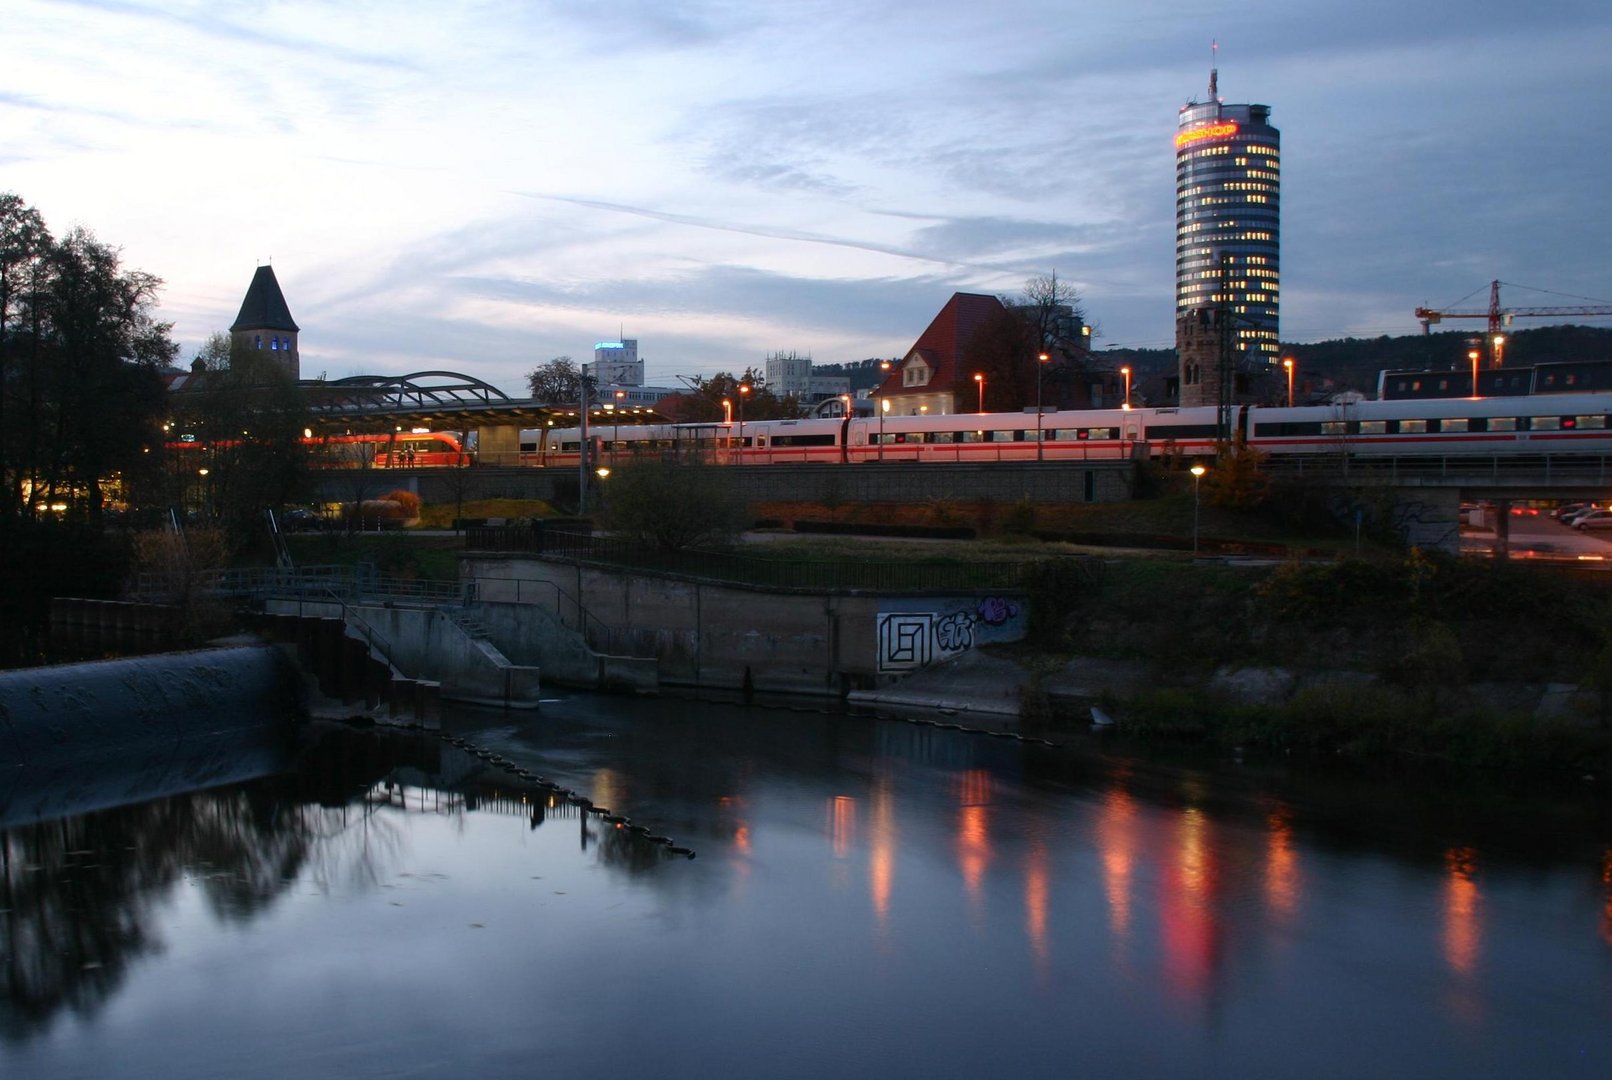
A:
x: 944, y: 437
x: 973, y: 436
x: 1412, y: 426
x: 1502, y: 423
x: 1334, y: 427
x: 1005, y: 436
x: 1373, y: 427
x: 528, y: 448
x: 1454, y: 424
x: 1596, y: 422
x: 1545, y: 423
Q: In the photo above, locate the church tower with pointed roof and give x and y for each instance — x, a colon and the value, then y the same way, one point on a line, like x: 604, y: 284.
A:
x: 265, y: 327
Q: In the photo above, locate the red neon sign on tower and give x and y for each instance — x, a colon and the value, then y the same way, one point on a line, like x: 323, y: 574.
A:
x: 1223, y: 130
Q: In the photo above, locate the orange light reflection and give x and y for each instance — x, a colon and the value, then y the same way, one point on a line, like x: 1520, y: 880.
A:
x: 1606, y: 909
x: 973, y: 834
x: 1282, y: 881
x: 1462, y: 925
x: 842, y: 824
x: 1116, y: 839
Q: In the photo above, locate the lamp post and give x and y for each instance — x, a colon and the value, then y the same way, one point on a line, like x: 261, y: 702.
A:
x: 979, y: 379
x: 1126, y: 371
x: 1499, y: 343
x: 1041, y: 362
x: 884, y: 410
x: 1287, y: 362
x: 615, y: 431
x: 743, y: 390
x: 1472, y: 355
x: 1197, y: 475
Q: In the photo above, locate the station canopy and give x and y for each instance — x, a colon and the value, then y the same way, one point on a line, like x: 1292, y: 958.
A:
x: 440, y: 401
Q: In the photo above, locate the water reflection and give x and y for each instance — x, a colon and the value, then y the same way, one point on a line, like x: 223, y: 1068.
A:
x: 853, y: 877
x: 79, y: 896
x: 1282, y: 879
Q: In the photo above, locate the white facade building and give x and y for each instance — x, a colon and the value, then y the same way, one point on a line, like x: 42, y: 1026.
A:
x: 616, y: 363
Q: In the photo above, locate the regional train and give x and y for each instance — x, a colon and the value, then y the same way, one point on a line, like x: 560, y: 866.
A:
x: 398, y: 450
x: 1539, y: 424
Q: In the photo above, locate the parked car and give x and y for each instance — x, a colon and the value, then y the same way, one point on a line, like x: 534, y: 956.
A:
x: 299, y: 519
x: 1594, y: 519
x: 1567, y: 510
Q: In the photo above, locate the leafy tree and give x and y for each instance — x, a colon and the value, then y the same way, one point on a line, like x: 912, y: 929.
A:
x: 82, y: 373
x: 673, y: 506
x: 81, y: 396
x: 703, y: 402
x: 249, y: 418
x: 1237, y: 480
x: 215, y: 354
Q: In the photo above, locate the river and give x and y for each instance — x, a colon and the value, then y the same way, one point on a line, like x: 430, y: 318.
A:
x: 865, y: 898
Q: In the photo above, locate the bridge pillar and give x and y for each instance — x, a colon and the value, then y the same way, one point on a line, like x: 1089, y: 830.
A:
x: 1428, y: 518
x: 498, y: 445
x: 1502, y: 528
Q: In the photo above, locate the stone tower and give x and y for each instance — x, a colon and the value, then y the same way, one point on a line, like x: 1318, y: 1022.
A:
x: 264, y: 328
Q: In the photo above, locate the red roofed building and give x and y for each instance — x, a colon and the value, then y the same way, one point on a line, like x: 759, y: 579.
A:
x: 934, y: 376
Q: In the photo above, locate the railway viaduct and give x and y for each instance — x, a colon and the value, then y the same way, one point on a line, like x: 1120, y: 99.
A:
x: 1421, y: 498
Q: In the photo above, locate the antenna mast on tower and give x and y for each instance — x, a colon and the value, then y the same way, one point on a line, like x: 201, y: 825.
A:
x: 1214, y: 70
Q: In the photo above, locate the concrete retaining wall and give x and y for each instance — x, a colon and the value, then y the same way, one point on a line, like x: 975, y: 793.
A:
x: 425, y: 643
x: 722, y: 636
x: 532, y: 635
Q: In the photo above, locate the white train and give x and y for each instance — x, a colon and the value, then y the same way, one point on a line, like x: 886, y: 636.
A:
x: 1539, y: 424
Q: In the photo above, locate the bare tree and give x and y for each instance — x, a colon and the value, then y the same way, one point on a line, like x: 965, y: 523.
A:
x: 558, y: 380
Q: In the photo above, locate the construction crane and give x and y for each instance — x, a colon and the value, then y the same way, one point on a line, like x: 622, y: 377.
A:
x: 1500, y: 318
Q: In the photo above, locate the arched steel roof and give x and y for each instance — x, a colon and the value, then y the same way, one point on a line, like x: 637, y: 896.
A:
x: 421, y: 388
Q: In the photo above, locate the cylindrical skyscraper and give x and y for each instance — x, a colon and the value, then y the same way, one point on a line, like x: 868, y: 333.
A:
x: 1227, y: 237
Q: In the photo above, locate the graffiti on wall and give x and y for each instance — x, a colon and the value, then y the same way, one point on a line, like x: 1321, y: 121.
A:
x: 924, y: 632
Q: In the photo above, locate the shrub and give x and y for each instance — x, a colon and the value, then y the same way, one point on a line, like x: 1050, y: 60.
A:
x: 408, y: 502
x: 671, y: 506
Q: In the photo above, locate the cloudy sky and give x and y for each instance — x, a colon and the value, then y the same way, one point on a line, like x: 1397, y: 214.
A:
x: 480, y: 187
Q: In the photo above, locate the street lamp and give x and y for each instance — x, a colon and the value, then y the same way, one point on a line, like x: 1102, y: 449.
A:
x: 1287, y: 362
x: 1041, y: 363
x: 979, y: 378
x: 1126, y: 371
x: 1197, y: 475
x: 615, y: 431
x: 1472, y: 355
x: 884, y: 410
x: 743, y: 390
x: 1499, y: 342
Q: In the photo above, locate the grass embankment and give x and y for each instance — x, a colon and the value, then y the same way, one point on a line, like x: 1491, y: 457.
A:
x: 1405, y: 659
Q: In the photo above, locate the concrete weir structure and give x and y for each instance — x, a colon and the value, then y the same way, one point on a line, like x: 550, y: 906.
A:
x: 443, y: 646
x: 108, y: 732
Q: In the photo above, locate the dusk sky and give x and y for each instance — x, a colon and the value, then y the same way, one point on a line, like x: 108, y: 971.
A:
x: 482, y: 187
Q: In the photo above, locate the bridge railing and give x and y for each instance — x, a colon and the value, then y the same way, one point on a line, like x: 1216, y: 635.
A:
x: 911, y: 575
x: 1518, y: 469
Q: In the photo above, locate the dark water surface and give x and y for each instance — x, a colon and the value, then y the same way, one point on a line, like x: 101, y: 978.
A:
x: 869, y: 898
